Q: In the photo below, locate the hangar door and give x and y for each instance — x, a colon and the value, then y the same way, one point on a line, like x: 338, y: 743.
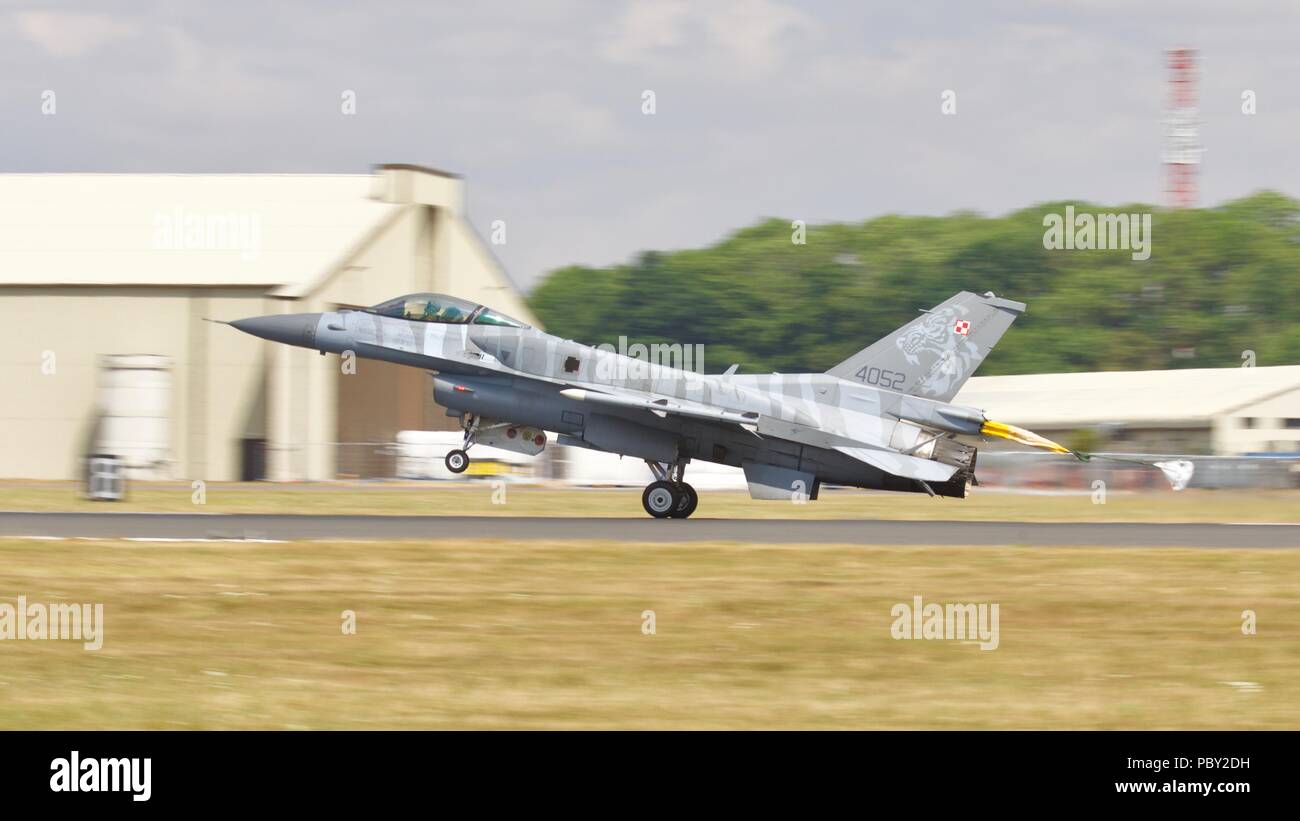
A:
x: 375, y: 403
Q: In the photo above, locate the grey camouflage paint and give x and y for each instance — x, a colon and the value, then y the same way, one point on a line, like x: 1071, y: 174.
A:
x: 832, y: 426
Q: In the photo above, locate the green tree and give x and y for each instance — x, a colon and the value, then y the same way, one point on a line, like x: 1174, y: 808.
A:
x: 1219, y: 281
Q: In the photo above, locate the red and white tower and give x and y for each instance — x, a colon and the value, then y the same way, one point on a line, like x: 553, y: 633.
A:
x: 1182, y: 151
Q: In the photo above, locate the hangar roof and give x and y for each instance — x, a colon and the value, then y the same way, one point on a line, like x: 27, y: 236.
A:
x: 1166, y: 398
x: 182, y: 229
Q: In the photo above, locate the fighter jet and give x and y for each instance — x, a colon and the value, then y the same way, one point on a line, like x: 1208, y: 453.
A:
x: 881, y: 419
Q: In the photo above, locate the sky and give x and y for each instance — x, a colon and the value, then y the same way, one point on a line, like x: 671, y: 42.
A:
x: 820, y: 111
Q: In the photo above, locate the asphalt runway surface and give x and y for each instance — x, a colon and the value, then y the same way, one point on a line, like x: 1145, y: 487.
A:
x: 272, y: 527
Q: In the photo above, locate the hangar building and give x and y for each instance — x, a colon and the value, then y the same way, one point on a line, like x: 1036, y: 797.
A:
x: 1198, y: 411
x: 106, y: 280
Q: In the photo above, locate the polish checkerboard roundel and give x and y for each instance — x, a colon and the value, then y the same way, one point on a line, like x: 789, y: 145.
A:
x: 962, y: 327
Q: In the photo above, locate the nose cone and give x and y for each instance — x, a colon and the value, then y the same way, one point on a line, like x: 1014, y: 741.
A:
x: 291, y: 329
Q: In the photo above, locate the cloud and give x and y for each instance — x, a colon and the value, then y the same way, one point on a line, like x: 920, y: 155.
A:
x: 754, y: 33
x: 737, y: 36
x: 565, y: 118
x: 646, y: 30
x: 70, y: 34
x: 825, y: 110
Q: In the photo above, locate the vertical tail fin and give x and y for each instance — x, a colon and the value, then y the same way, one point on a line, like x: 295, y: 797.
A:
x: 934, y: 354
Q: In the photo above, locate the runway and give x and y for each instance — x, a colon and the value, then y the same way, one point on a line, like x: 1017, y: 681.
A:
x: 253, y: 527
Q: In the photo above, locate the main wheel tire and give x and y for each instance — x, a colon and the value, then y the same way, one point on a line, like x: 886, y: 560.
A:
x: 660, y: 499
x: 687, y: 502
x: 457, y: 461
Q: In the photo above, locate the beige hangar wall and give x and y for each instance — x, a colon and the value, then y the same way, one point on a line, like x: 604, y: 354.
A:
x: 47, y: 419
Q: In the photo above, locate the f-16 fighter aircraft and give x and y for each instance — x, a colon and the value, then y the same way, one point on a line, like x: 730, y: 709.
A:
x: 881, y: 419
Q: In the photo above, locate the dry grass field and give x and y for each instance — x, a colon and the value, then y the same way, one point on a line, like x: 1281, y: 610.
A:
x: 471, y: 499
x: 549, y: 635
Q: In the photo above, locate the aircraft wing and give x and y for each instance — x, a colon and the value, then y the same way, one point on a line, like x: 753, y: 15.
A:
x: 660, y: 405
x: 898, y: 464
x: 799, y: 430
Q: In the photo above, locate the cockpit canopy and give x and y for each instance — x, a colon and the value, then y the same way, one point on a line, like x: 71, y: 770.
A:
x: 443, y: 308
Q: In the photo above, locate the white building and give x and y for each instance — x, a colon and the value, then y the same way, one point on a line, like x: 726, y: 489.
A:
x: 97, y: 266
x: 1213, y: 411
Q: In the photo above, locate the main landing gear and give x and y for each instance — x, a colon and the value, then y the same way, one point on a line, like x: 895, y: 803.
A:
x: 457, y: 461
x: 669, y: 497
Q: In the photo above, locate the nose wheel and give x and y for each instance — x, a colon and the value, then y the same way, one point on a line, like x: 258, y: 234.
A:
x: 669, y: 497
x: 457, y: 461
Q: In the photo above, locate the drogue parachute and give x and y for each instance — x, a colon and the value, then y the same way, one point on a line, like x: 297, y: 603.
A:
x: 1177, y: 471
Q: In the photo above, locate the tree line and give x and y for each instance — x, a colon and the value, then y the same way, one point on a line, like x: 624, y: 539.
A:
x: 1220, y: 284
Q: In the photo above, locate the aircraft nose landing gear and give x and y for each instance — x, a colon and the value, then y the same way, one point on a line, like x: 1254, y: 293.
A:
x: 669, y: 497
x: 458, y: 460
